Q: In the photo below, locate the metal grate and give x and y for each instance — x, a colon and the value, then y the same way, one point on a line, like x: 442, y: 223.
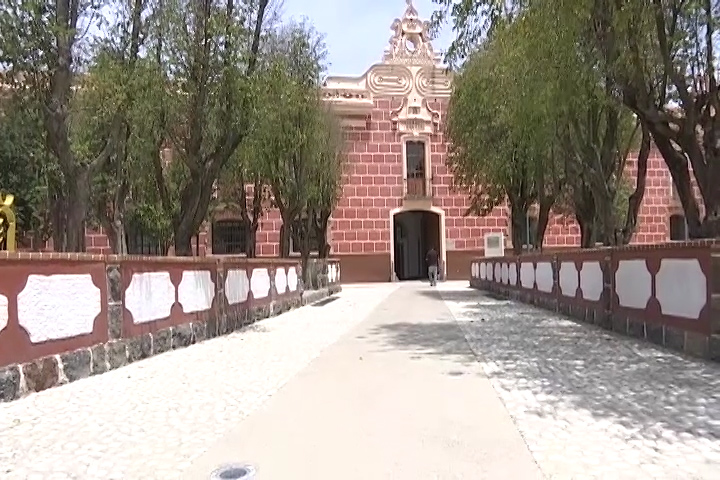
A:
x: 228, y: 237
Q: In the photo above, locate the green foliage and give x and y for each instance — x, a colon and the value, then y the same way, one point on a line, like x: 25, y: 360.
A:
x: 25, y: 165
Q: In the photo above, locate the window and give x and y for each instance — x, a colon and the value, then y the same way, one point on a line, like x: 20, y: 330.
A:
x: 415, y: 164
x: 228, y: 237
x: 415, y: 159
x: 678, y: 228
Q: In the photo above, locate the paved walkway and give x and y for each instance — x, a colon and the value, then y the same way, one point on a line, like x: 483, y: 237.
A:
x: 383, y: 383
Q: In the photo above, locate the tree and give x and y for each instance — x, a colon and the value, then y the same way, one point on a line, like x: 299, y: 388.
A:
x: 25, y: 165
x: 494, y: 152
x: 565, y: 104
x: 212, y: 54
x: 288, y: 142
x: 662, y: 57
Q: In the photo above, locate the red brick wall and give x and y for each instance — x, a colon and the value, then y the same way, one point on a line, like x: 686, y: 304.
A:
x: 374, y: 187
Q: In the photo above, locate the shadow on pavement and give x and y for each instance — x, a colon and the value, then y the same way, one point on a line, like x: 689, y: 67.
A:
x: 567, y: 364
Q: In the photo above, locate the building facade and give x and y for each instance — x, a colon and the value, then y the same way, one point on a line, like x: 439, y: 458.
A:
x: 398, y: 198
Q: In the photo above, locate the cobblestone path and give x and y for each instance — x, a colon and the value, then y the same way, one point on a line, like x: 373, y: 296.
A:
x: 591, y: 404
x: 149, y: 420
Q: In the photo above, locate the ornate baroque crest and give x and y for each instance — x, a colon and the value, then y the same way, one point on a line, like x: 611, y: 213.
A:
x: 410, y: 42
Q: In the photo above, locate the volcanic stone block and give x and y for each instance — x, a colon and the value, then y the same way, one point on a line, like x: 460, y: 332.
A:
x: 77, y: 364
x: 655, y: 334
x: 674, y: 339
x: 41, y: 374
x: 182, y: 336
x: 199, y: 331
x: 140, y: 347
x: 162, y: 341
x: 115, y: 321
x: 9, y: 383
x: 99, y: 359
x: 117, y: 354
x: 636, y: 328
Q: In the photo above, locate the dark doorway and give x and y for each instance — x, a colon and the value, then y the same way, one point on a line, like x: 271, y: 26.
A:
x: 415, y: 232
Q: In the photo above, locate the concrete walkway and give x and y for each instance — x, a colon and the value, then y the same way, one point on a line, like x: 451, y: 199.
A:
x: 387, y: 382
x: 400, y: 397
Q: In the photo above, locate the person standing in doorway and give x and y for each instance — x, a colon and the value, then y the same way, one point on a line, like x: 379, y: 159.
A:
x: 432, y: 262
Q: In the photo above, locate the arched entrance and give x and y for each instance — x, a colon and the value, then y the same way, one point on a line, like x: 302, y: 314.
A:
x: 414, y: 233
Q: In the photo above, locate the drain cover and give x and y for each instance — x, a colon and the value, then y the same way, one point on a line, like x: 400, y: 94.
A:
x: 233, y: 472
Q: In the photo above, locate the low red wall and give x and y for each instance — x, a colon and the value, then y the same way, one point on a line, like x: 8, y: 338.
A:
x: 67, y: 316
x: 668, y: 294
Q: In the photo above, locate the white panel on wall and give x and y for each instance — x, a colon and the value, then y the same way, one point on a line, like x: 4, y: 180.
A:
x: 58, y: 306
x: 260, y: 283
x: 568, y: 279
x: 196, y: 291
x: 4, y: 314
x: 633, y: 283
x: 237, y: 286
x: 292, y: 279
x: 490, y: 272
x: 498, y: 272
x: 681, y: 287
x: 512, y: 274
x: 544, y: 277
x: 505, y: 273
x: 338, y: 273
x: 591, y: 281
x: 527, y: 275
x: 150, y: 296
x: 280, y: 280
x: 482, y: 271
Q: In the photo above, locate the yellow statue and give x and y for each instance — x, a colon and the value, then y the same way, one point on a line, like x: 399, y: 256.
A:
x: 7, y: 223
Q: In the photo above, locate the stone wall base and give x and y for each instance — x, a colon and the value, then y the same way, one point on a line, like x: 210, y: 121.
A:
x: 690, y: 343
x: 17, y: 381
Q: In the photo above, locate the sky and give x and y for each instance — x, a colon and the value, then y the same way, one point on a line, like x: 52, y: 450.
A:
x: 357, y: 32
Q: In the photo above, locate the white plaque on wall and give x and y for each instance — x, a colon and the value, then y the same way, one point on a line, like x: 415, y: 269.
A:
x: 494, y: 244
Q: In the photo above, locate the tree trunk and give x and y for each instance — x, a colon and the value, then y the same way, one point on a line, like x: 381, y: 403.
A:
x: 543, y: 219
x: 635, y: 200
x: 79, y: 191
x: 285, y: 232
x: 518, y: 214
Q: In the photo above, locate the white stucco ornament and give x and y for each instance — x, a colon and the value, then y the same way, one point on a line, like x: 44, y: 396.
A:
x: 527, y: 275
x: 237, y: 286
x: 150, y: 296
x: 260, y: 283
x: 196, y: 291
x: 681, y: 287
x: 292, y: 279
x: 591, y: 281
x: 512, y: 274
x: 60, y: 306
x: 4, y: 314
x: 569, y: 279
x: 483, y: 267
x: 280, y: 280
x: 633, y: 283
x: 411, y: 73
x: 544, y: 277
